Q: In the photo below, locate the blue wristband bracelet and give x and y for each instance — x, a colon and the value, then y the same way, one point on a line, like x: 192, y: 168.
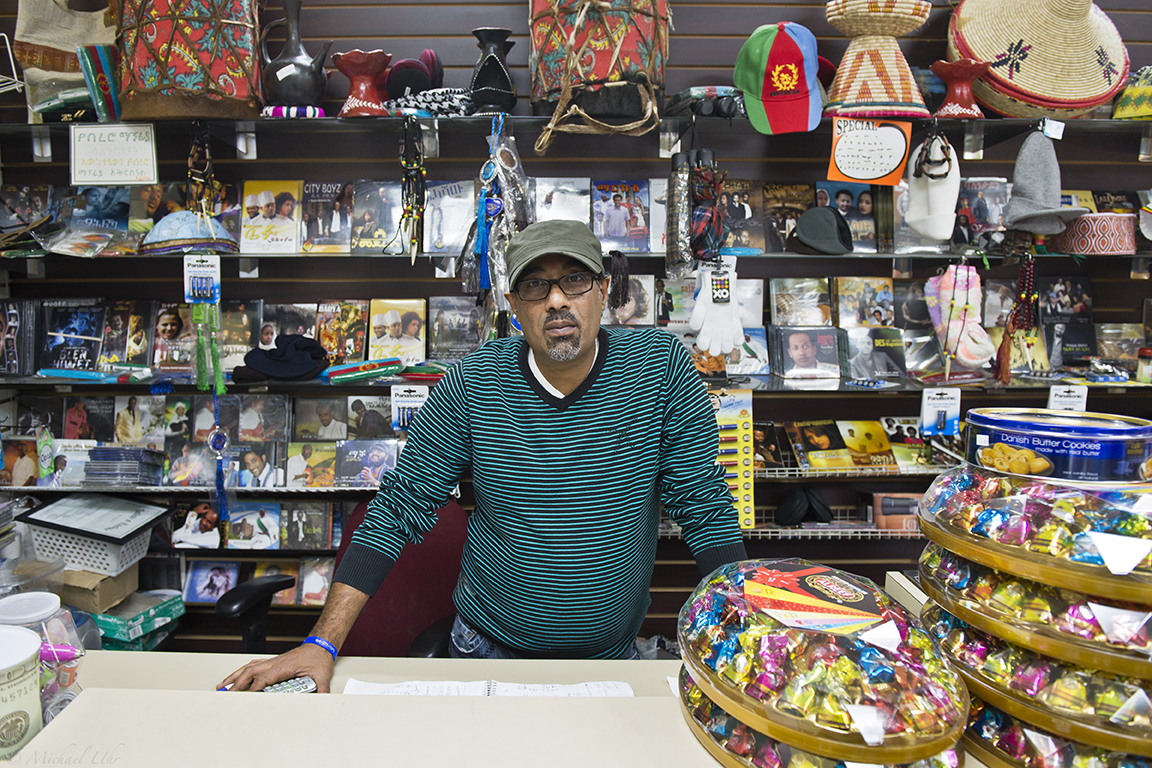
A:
x: 322, y: 643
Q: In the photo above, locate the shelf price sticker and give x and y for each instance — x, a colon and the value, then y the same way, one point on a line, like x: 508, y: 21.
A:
x: 113, y: 153
x: 869, y: 151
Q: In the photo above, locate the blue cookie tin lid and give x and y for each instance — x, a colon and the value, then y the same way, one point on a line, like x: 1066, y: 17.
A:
x: 1098, y: 426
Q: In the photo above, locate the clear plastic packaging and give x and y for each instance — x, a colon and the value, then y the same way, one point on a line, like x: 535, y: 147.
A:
x: 821, y: 660
x: 999, y: 740
x: 60, y: 659
x: 736, y: 745
x: 1088, y: 706
x: 1097, y: 632
x: 1089, y: 538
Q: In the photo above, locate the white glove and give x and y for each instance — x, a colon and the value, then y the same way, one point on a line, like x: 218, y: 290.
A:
x: 717, y: 326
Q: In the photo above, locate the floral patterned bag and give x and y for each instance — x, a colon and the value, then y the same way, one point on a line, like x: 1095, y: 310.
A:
x: 188, y: 59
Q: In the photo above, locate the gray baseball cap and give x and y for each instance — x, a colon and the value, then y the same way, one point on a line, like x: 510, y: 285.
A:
x: 545, y: 238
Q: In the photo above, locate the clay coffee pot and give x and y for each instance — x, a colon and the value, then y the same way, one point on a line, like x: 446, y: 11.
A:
x: 293, y: 79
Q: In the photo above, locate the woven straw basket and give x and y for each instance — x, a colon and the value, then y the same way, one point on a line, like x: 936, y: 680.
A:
x: 873, y: 80
x: 877, y: 17
x: 1057, y: 58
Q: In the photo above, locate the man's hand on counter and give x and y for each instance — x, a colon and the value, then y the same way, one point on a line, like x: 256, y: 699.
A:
x: 310, y: 660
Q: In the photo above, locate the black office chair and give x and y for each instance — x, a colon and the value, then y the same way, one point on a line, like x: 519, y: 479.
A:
x: 249, y: 603
x: 432, y: 643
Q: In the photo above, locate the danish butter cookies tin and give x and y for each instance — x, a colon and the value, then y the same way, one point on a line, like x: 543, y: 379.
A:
x: 1068, y: 445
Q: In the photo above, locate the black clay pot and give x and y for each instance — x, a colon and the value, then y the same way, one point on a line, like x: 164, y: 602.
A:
x: 293, y: 79
x: 492, y: 87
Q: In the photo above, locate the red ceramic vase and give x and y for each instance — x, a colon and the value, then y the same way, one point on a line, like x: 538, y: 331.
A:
x: 362, y: 68
x: 958, y: 76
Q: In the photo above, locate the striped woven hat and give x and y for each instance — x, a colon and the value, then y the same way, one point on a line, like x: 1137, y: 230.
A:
x: 1059, y: 58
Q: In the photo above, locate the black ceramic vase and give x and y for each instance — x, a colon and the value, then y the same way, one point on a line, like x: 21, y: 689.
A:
x: 293, y: 79
x: 492, y: 87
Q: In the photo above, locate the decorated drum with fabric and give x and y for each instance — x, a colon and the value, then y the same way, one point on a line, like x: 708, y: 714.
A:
x: 189, y: 58
x: 1098, y: 234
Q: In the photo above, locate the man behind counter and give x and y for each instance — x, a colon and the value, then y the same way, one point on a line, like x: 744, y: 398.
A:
x: 575, y: 435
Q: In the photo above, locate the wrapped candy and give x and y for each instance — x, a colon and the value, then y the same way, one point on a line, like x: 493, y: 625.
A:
x: 1085, y: 705
x: 800, y: 649
x: 734, y: 742
x: 1062, y: 623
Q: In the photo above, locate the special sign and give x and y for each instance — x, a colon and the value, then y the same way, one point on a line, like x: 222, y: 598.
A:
x: 871, y: 151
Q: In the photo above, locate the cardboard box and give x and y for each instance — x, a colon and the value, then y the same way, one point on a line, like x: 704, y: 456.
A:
x: 146, y: 642
x: 139, y: 614
x: 896, y: 511
x: 95, y: 592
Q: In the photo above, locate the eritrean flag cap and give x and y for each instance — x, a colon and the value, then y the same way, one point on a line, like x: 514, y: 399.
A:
x: 776, y: 69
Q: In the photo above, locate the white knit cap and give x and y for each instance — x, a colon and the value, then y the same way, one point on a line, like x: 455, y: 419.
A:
x: 932, y: 202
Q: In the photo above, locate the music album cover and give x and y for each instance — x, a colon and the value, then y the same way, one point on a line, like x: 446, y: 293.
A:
x: 1027, y: 354
x: 263, y: 417
x: 69, y: 460
x: 766, y: 446
x: 658, y: 216
x: 800, y: 301
x: 742, y: 203
x: 980, y: 207
x: 396, y: 329
x: 1065, y: 299
x: 178, y: 417
x: 18, y: 334
x: 876, y: 353
x: 254, y: 525
x: 88, y: 418
x: 620, y: 212
x: 320, y: 418
x: 806, y: 353
x: 239, y: 330
x: 362, y: 463
x: 189, y: 464
x: 152, y: 202
x: 706, y: 364
x: 750, y: 295
x: 1078, y: 198
x: 453, y: 327
x: 20, y: 468
x: 227, y: 209
x: 448, y: 216
x: 922, y: 353
x: 23, y: 204
x: 305, y: 525
x: 1119, y: 341
x: 782, y: 205
x: 1116, y: 202
x: 910, y: 305
x: 310, y: 465
x: 341, y: 327
x: 638, y: 309
x: 36, y: 412
x: 288, y: 319
x: 563, y: 197
x: 369, y: 417
x: 174, y: 345
x: 281, y: 568
x: 258, y: 465
x: 903, y: 435
x: 204, y: 416
x: 818, y: 444
x: 751, y: 354
x: 271, y: 219
x: 127, y: 337
x: 999, y: 297
x: 101, y: 208
x: 327, y: 217
x: 868, y: 445
x: 1069, y: 343
x: 863, y: 301
x: 315, y: 579
x: 73, y: 333
x: 139, y: 420
x: 208, y: 580
x: 376, y: 221
x: 855, y: 202
x: 196, y: 525
x: 675, y: 300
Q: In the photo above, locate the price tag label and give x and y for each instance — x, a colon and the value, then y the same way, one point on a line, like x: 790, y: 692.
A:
x: 1068, y: 397
x: 113, y: 153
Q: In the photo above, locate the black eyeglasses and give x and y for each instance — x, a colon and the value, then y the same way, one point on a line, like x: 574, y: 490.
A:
x: 537, y: 289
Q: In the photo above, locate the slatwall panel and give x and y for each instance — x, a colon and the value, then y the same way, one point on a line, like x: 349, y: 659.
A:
x: 703, y: 46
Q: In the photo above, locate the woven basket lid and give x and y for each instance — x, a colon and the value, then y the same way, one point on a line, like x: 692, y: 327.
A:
x: 1058, y: 52
x: 873, y: 80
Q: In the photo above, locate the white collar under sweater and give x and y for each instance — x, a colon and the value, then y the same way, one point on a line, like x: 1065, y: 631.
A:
x: 544, y: 382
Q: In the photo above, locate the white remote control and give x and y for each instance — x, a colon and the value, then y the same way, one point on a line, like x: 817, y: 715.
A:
x: 295, y: 685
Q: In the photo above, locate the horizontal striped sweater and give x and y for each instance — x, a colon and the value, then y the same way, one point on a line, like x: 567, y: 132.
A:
x: 562, y: 541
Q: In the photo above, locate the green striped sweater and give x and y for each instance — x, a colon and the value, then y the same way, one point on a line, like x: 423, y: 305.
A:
x: 562, y: 541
